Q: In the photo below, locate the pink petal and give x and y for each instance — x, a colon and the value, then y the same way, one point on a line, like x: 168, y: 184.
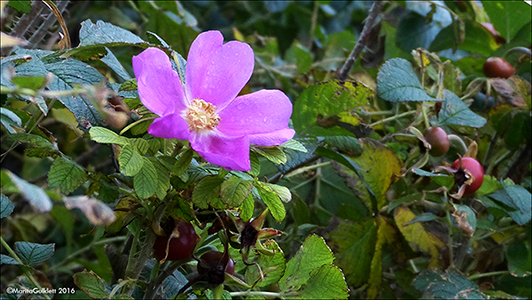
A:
x: 230, y: 153
x: 171, y: 126
x: 215, y: 72
x: 160, y: 89
x: 262, y: 115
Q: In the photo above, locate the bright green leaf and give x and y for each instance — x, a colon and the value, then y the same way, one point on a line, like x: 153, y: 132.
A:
x: 235, y: 190
x: 163, y: 178
x: 247, y: 208
x: 327, y: 283
x: 145, y: 181
x: 313, y: 254
x: 273, y: 154
x: 130, y: 161
x: 272, y: 266
x: 105, y: 136
x: 272, y: 200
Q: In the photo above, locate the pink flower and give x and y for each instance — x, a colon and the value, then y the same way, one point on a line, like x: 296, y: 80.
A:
x: 206, y: 111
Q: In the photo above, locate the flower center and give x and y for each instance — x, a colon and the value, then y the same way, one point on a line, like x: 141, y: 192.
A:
x: 201, y: 115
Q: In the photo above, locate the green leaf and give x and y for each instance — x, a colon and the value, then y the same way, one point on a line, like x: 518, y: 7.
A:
x: 66, y: 175
x: 68, y: 73
x: 303, y: 58
x: 113, y: 63
x: 518, y: 256
x: 140, y: 145
x: 449, y: 285
x: 235, y: 190
x: 345, y: 144
x: 355, y: 242
x: 272, y: 266
x: 145, y: 181
x: 6, y: 206
x: 182, y: 163
x: 273, y: 154
x: 32, y: 253
x: 313, y: 254
x: 281, y: 191
x: 39, y: 146
x: 91, y: 284
x: 418, y: 238
x: 8, y: 260
x: 455, y: 112
x: 327, y: 283
x: 105, y: 136
x: 36, y: 196
x: 326, y: 100
x: 9, y: 119
x: 397, y: 82
x: 272, y: 201
x: 295, y: 157
x: 23, y: 6
x: 516, y: 197
x: 207, y: 191
x: 294, y: 145
x: 477, y: 39
x: 247, y: 208
x: 130, y: 161
x: 163, y: 178
x: 29, y: 82
x: 508, y: 17
x: 129, y: 85
x: 382, y: 168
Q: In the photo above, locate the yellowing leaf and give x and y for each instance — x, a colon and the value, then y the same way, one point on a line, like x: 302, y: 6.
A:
x: 416, y: 235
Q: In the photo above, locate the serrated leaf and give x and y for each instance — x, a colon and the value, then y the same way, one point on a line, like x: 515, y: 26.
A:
x: 327, y: 282
x: 294, y: 145
x: 355, y: 242
x: 235, y: 190
x: 247, y: 208
x: 313, y: 254
x: 32, y: 253
x: 36, y: 196
x: 129, y: 85
x: 97, y: 212
x: 417, y: 237
x: 91, y: 284
x: 66, y: 175
x: 68, y: 73
x: 8, y: 260
x: 6, y: 206
x: 281, y: 191
x: 207, y: 191
x: 182, y: 163
x: 273, y: 154
x: 448, y: 285
x: 455, y: 112
x: 272, y: 201
x: 105, y: 136
x: 163, y: 178
x: 325, y: 100
x: 397, y: 82
x: 272, y: 266
x: 255, y: 164
x: 145, y: 180
x: 130, y: 161
x: 140, y: 145
x: 40, y: 147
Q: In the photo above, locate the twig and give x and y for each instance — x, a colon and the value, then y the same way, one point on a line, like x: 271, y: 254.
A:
x: 373, y: 13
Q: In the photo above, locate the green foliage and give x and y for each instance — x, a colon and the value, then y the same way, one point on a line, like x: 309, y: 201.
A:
x: 32, y: 253
x: 66, y: 175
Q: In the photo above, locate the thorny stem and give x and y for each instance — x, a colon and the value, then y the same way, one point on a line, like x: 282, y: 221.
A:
x: 28, y: 274
x: 450, y: 232
x: 361, y: 43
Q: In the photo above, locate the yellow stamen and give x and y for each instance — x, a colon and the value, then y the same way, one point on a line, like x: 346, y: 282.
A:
x: 201, y: 115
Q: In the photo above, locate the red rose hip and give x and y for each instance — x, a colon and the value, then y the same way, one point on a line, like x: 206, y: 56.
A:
x: 438, y: 140
x: 462, y: 177
x: 498, y: 67
x: 180, y: 247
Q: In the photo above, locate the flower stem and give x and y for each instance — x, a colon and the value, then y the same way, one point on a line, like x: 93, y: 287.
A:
x: 476, y: 276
